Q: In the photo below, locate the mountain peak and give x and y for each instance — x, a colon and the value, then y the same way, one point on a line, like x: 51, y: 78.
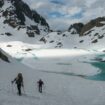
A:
x: 17, y: 14
x: 76, y: 28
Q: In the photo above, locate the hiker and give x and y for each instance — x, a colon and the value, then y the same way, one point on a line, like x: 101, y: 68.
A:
x: 19, y: 82
x: 40, y: 84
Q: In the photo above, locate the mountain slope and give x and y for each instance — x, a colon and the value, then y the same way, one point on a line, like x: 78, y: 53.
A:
x: 19, y: 23
x: 17, y: 15
x: 90, y: 35
x: 98, y: 22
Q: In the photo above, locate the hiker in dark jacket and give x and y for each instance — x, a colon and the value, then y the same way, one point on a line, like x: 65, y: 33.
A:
x: 40, y: 84
x: 19, y: 82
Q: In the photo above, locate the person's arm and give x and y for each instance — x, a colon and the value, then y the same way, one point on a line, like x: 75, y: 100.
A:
x: 13, y: 81
x: 43, y: 83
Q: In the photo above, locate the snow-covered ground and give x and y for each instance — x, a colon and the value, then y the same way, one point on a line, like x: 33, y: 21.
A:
x: 59, y: 88
x: 61, y: 60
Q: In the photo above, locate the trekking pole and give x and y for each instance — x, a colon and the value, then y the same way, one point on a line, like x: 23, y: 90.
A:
x: 12, y: 87
x: 24, y: 90
x: 44, y: 87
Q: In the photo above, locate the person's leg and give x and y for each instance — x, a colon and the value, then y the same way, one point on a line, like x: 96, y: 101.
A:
x: 19, y: 90
x: 40, y: 89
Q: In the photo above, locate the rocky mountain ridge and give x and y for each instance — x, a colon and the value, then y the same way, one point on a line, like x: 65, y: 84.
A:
x: 16, y: 13
x: 81, y: 28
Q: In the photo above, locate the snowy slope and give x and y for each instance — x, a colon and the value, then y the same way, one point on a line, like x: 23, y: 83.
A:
x: 59, y: 89
x: 93, y: 38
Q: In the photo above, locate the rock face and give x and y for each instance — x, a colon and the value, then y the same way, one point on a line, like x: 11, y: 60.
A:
x: 3, y: 57
x: 77, y: 26
x: 93, y: 23
x: 81, y: 28
x: 18, y: 14
x: 1, y: 3
x: 23, y: 9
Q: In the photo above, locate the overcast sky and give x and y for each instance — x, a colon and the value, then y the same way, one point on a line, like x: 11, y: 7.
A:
x: 61, y: 13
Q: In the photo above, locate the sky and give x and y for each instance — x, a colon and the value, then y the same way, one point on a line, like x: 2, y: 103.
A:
x: 60, y: 14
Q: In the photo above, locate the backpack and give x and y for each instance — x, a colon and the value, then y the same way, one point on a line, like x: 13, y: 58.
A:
x: 19, y: 79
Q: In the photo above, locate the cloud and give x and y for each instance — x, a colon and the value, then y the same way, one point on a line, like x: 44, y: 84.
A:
x: 74, y: 10
x: 58, y: 2
x: 89, y: 3
x: 62, y: 13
